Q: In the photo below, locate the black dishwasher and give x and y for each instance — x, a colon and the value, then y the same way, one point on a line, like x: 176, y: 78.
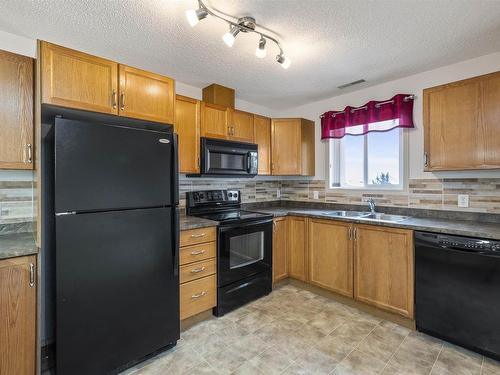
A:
x: 457, y: 290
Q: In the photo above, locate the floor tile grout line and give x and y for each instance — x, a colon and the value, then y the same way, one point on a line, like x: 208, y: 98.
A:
x: 393, y: 354
x: 437, y: 358
x: 482, y: 366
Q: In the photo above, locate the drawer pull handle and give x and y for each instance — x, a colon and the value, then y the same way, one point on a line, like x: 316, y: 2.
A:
x: 197, y: 252
x: 199, y: 295
x: 196, y: 270
x: 32, y: 275
x: 198, y: 235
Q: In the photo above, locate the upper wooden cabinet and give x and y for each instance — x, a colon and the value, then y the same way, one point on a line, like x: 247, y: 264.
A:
x: 384, y: 268
x: 330, y: 255
x: 242, y: 127
x: 462, y: 124
x: 18, y: 316
x: 292, y: 147
x: 280, y: 250
x: 214, y: 121
x: 16, y: 111
x: 217, y: 94
x: 78, y: 80
x: 297, y: 247
x: 146, y: 95
x: 262, y: 126
x: 187, y: 127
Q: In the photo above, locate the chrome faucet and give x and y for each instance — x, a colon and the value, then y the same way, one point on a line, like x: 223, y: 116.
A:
x: 371, y: 204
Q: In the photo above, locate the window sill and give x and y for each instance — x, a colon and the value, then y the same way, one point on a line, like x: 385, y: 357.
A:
x: 399, y: 190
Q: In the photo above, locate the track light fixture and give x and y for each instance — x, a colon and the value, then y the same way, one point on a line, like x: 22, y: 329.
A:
x: 244, y: 25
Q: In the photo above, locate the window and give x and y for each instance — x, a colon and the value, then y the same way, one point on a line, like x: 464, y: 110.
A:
x: 370, y: 161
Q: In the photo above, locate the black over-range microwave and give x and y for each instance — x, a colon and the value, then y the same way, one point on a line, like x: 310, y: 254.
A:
x: 221, y: 158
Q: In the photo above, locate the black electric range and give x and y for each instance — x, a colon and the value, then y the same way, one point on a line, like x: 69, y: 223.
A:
x: 244, y: 247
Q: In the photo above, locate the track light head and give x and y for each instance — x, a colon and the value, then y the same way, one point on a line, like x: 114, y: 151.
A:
x: 284, y: 61
x: 260, y: 52
x: 195, y: 16
x: 230, y: 36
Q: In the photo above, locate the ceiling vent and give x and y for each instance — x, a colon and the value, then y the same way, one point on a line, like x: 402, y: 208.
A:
x: 351, y: 84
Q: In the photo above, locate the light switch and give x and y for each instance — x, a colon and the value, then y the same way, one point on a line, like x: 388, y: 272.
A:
x: 316, y: 194
x: 463, y: 200
x: 278, y: 193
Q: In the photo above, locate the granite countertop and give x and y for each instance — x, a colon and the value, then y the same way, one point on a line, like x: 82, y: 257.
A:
x: 193, y: 222
x: 17, y: 244
x: 454, y: 227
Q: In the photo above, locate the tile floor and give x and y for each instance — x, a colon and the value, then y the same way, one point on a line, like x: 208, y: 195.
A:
x: 294, y: 331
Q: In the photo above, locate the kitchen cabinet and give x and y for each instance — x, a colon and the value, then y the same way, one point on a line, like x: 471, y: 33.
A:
x: 331, y: 255
x: 16, y: 111
x: 18, y: 316
x: 462, y: 123
x: 292, y: 147
x: 262, y: 126
x: 383, y: 268
x: 217, y: 94
x: 145, y: 95
x: 297, y: 247
x: 242, y: 127
x: 78, y: 80
x: 187, y: 127
x: 215, y: 121
x: 280, y: 249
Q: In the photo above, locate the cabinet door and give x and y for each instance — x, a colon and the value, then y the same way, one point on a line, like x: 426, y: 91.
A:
x: 16, y: 111
x: 145, y: 95
x: 297, y: 261
x: 280, y: 258
x: 262, y: 127
x: 384, y: 268
x: 77, y: 80
x: 17, y: 316
x: 214, y: 121
x: 330, y: 255
x: 242, y: 127
x: 462, y: 123
x: 187, y: 126
x: 286, y: 147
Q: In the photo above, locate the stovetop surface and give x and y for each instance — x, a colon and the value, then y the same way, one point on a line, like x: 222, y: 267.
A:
x: 234, y: 216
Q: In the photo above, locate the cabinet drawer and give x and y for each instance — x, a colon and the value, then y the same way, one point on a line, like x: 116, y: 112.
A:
x: 195, y: 253
x: 197, y: 270
x: 199, y: 235
x: 197, y: 296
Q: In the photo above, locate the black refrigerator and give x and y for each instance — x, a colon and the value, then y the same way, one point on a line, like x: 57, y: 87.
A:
x: 116, y: 243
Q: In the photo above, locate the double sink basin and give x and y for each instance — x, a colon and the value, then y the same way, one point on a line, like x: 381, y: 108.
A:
x: 376, y: 216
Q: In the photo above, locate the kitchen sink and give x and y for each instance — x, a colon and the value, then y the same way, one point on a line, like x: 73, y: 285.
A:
x: 384, y: 217
x: 353, y: 214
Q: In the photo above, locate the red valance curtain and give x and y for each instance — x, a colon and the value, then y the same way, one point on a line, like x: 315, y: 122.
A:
x: 384, y: 115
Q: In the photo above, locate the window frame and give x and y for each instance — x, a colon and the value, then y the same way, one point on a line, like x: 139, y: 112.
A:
x: 334, y: 172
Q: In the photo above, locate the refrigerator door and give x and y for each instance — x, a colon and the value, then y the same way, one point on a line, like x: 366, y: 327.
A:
x: 117, y: 288
x: 102, y: 167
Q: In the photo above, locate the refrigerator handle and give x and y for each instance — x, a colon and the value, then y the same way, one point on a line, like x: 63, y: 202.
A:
x: 175, y: 251
x: 175, y: 179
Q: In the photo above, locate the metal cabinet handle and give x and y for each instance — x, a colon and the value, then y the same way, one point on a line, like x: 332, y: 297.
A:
x: 197, y: 252
x: 195, y: 296
x: 32, y: 275
x: 349, y: 233
x: 29, y: 150
x: 274, y: 227
x: 122, y: 101
x: 355, y: 234
x: 113, y: 99
x: 197, y: 270
x: 426, y: 159
x: 198, y: 235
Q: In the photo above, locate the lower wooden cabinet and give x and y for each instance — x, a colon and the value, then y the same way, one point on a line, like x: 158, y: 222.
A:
x: 330, y: 255
x: 198, y: 296
x: 383, y: 268
x: 17, y: 316
x: 280, y: 251
x: 297, y: 260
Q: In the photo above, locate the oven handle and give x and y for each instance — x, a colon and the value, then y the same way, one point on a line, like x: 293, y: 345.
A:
x: 225, y: 227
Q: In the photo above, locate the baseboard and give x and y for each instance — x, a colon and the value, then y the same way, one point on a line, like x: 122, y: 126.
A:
x: 195, y: 319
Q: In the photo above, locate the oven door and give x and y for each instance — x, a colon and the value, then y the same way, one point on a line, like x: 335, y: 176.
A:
x: 244, y: 250
x: 225, y: 158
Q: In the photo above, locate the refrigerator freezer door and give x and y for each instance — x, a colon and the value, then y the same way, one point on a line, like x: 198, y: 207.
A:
x: 117, y: 290
x: 105, y: 167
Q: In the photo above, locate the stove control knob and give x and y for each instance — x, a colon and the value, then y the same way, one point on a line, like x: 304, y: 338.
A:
x: 235, y: 195
x: 230, y: 194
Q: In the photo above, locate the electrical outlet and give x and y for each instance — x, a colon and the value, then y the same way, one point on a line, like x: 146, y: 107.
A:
x: 278, y: 193
x: 463, y: 200
x: 316, y: 194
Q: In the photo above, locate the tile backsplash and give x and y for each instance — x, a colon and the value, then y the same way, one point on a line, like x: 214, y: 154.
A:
x: 436, y: 194
x: 17, y: 203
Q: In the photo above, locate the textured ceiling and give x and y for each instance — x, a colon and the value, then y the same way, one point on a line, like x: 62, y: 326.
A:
x: 330, y: 42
